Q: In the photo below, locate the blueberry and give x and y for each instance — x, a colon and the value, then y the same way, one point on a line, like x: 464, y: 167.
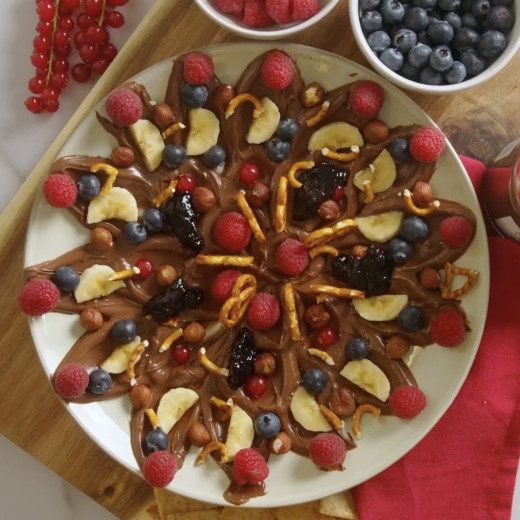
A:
x: 440, y: 32
x: 66, y: 278
x: 501, y: 18
x: 441, y: 58
x: 392, y: 58
x: 124, y: 331
x: 411, y: 318
x: 480, y: 8
x: 465, y: 39
x: 508, y: 3
x: 453, y: 19
x: 404, y: 40
x: 416, y: 19
x: 277, y: 149
x: 422, y: 37
x: 470, y: 21
x: 134, y: 233
x: 419, y: 55
x: 287, y: 128
x: 314, y: 381
x: 450, y: 5
x: 400, y: 150
x: 392, y: 11
x: 174, y: 155
x: 99, y: 381
x: 491, y: 43
x: 426, y: 4
x: 378, y: 41
x: 89, y: 186
x: 267, y: 425
x: 413, y: 229
x: 473, y: 62
x: 156, y: 440
x: 368, y: 5
x: 154, y: 220
x: 400, y: 250
x: 193, y: 96
x: 456, y: 73
x: 410, y: 72
x: 214, y: 156
x: 430, y: 76
x: 370, y: 21
x: 357, y: 348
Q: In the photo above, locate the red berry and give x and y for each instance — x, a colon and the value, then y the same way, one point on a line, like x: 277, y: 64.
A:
x: 146, y: 267
x: 427, y: 144
x: 124, y: 106
x: 181, y: 354
x: 255, y: 14
x: 99, y: 66
x: 407, y: 401
x: 117, y: 3
x: 248, y: 173
x: 45, y: 10
x: 326, y: 336
x: 292, y: 257
x: 367, y: 98
x: 38, y: 296
x: 185, y: 183
x: 36, y: 85
x: 81, y: 72
x: 71, y: 381
x: 263, y: 311
x: 95, y: 34
x: 338, y: 194
x: 84, y: 20
x: 93, y: 7
x: 41, y: 43
x: 34, y: 104
x: 230, y: 6
x: 88, y: 52
x: 115, y: 19
x: 455, y: 231
x: 61, y: 38
x: 327, y: 451
x: 223, y: 284
x: 249, y: 467
x: 60, y: 190
x: 71, y: 5
x: 279, y: 10
x: 277, y: 70
x: 304, y: 9
x: 159, y: 468
x: 256, y: 386
x: 198, y: 68
x: 232, y: 231
x: 448, y: 328
x: 60, y: 80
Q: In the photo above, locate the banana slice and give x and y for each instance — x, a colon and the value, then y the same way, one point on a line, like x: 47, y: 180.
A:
x: 203, y: 133
x: 306, y: 411
x: 335, y: 136
x: 381, y: 174
x: 117, y: 362
x: 264, y: 126
x: 241, y: 431
x: 173, y: 405
x: 117, y: 203
x: 381, y: 308
x: 94, y: 283
x: 368, y: 376
x: 381, y: 227
x: 149, y: 140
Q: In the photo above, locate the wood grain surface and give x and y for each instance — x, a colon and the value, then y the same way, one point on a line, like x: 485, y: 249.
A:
x: 478, y: 123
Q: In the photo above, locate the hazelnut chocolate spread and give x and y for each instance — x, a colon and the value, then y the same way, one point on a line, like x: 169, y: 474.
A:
x: 157, y: 370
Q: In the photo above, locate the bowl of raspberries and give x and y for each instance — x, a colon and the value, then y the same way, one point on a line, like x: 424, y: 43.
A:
x: 266, y: 19
x: 437, y: 46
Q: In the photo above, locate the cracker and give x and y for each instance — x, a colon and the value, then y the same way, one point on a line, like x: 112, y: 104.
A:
x: 339, y: 505
x: 235, y: 513
x: 207, y: 514
x: 170, y: 504
x: 308, y: 511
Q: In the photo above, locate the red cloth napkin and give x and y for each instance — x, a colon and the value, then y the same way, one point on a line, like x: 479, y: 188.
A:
x: 465, y: 468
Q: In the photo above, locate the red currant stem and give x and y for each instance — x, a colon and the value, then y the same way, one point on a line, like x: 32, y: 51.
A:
x: 103, y: 9
x: 51, y: 56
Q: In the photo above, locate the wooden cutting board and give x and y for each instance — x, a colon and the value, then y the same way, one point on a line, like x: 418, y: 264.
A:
x: 478, y: 123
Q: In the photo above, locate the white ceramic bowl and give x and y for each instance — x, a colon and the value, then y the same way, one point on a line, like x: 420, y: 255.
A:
x: 272, y: 32
x: 512, y: 47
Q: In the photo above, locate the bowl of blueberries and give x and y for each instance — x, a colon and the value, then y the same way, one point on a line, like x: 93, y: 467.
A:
x: 436, y: 46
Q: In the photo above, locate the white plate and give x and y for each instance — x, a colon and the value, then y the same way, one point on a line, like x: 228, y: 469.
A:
x: 440, y: 372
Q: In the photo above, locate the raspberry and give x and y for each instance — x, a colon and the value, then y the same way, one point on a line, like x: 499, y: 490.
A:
x: 427, y: 144
x: 223, y: 284
x: 249, y: 467
x: 367, y: 98
x: 60, y: 190
x: 232, y: 231
x: 327, y: 451
x: 407, y: 401
x: 38, y: 296
x: 255, y: 14
x: 124, y: 106
x: 448, y: 328
x: 304, y: 9
x: 263, y: 311
x: 230, y: 6
x: 71, y: 381
x: 279, y: 10
x: 159, y: 468
x: 198, y: 68
x: 455, y: 231
x: 277, y: 70
x: 292, y: 257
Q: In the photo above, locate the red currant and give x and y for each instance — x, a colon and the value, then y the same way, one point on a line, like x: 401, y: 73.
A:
x: 249, y: 173
x: 93, y: 7
x: 44, y: 28
x: 66, y: 23
x: 60, y: 65
x: 80, y: 72
x: 114, y: 19
x: 53, y: 107
x: 41, y: 43
x: 181, y: 354
x: 108, y: 51
x: 33, y: 104
x: 326, y: 336
x: 88, y: 52
x: 256, y: 386
x: 99, y: 66
x: 45, y: 10
x: 50, y: 96
x: 71, y: 5
x: 145, y: 267
x: 185, y: 183
x: 36, y: 85
x: 62, y: 51
x: 59, y: 80
x: 61, y: 38
x: 95, y: 34
x: 79, y: 39
x: 117, y: 3
x: 40, y: 59
x: 339, y: 193
x: 84, y: 20
x: 41, y: 72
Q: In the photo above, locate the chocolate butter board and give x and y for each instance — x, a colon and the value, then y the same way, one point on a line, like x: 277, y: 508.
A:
x: 490, y: 110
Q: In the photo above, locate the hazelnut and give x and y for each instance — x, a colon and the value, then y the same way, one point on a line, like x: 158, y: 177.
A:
x: 342, y: 402
x: 264, y: 364
x: 223, y: 95
x: 313, y: 94
x: 163, y: 115
x: 281, y: 443
x: 375, y: 131
x: 316, y: 316
x: 198, y: 434
x: 101, y: 238
x: 257, y: 193
x: 140, y: 396
x: 203, y: 199
x: 328, y: 210
x: 430, y: 278
x: 396, y: 347
x: 166, y: 275
x: 90, y: 319
x: 194, y: 332
x: 359, y: 251
x: 123, y: 156
x: 422, y: 193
